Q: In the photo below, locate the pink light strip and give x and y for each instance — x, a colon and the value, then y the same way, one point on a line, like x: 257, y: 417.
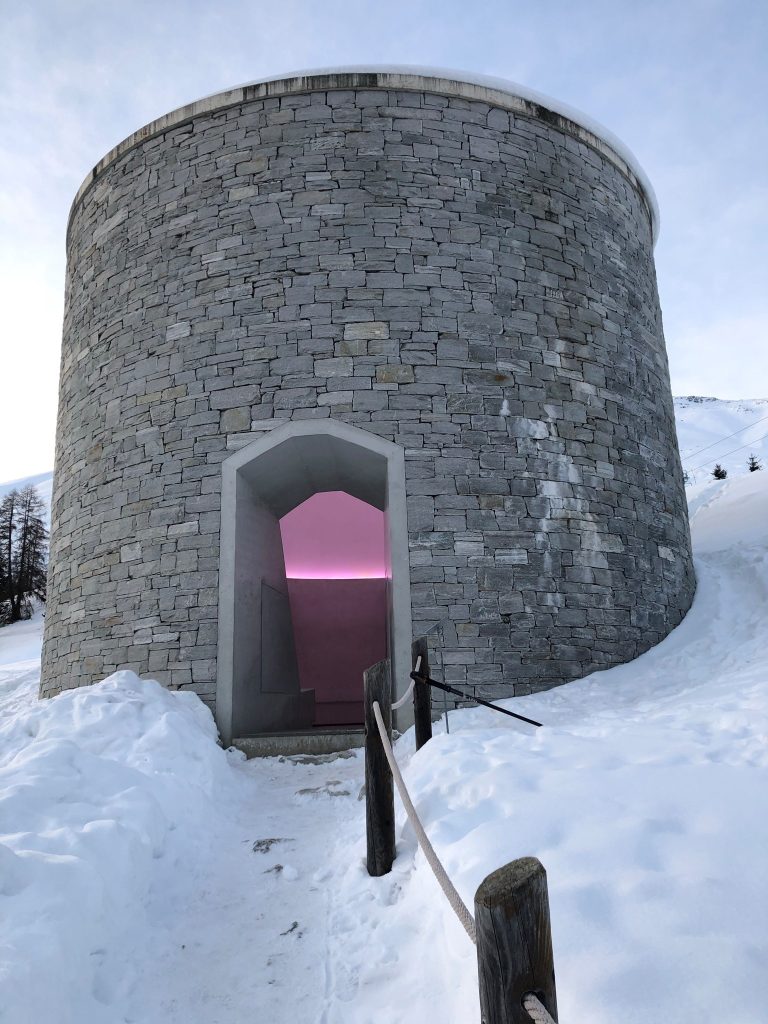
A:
x: 375, y: 575
x: 334, y: 536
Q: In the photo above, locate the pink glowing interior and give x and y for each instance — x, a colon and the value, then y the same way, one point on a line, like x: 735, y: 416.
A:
x: 333, y: 536
x: 336, y: 564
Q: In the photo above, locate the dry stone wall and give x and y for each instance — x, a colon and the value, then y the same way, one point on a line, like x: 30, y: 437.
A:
x: 473, y: 283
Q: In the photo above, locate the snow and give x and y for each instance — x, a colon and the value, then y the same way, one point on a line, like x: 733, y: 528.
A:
x: 747, y: 526
x: 643, y: 796
x: 130, y: 889
x: 96, y: 788
x: 711, y: 430
x: 148, y: 876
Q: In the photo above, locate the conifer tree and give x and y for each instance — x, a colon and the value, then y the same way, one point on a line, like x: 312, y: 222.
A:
x: 719, y: 473
x: 754, y: 464
x: 24, y: 545
x: 8, y: 513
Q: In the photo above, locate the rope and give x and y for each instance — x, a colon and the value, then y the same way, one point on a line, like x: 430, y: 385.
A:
x: 532, y: 1004
x: 536, y: 1010
x: 405, y: 697
x: 409, y: 691
x: 438, y: 870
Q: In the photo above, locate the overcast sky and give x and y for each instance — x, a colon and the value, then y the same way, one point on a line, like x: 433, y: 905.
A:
x: 683, y: 84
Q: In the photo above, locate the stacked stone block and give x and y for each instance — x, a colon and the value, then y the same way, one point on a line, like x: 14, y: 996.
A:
x: 471, y: 280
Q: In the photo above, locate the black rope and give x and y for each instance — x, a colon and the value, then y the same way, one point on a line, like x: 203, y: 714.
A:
x: 467, y: 696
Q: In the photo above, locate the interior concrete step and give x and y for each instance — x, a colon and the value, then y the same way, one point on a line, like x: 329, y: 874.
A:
x: 308, y: 741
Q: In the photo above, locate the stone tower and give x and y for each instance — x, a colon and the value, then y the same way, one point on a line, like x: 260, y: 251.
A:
x: 434, y: 293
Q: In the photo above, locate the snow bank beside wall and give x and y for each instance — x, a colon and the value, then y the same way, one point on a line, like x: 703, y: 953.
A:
x: 102, y: 791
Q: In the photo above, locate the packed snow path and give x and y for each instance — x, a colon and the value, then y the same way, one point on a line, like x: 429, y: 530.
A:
x: 139, y: 883
x: 244, y: 923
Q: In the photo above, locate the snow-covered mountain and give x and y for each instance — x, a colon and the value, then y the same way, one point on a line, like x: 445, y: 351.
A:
x: 712, y: 430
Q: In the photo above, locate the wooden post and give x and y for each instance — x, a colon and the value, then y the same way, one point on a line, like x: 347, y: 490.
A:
x: 514, y: 942
x: 379, y: 789
x: 422, y: 693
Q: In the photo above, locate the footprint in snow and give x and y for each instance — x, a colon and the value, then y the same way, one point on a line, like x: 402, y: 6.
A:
x: 293, y: 930
x: 328, y: 789
x: 265, y: 845
x: 287, y: 872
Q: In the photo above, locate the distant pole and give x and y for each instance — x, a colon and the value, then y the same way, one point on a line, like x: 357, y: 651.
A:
x: 514, y: 942
x: 379, y: 788
x: 422, y: 692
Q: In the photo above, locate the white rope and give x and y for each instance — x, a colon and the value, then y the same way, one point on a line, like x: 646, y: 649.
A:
x: 537, y: 1010
x: 405, y: 697
x: 439, y: 871
x: 409, y: 691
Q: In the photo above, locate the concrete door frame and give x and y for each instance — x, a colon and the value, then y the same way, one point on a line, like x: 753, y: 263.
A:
x: 286, y: 466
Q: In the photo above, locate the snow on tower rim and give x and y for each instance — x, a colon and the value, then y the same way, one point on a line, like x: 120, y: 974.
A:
x: 498, y: 92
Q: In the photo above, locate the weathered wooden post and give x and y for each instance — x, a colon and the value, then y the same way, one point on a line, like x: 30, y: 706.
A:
x: 514, y: 942
x: 379, y: 789
x: 422, y: 693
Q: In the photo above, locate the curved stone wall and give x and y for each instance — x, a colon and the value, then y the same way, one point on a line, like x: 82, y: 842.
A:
x: 460, y: 271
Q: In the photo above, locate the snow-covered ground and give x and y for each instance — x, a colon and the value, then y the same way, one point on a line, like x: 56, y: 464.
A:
x: 148, y: 876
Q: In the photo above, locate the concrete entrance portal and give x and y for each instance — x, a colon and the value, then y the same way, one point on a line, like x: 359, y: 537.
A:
x: 264, y: 680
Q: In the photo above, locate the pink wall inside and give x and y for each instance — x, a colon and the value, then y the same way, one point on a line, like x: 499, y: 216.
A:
x: 335, y: 560
x: 340, y: 630
x: 334, y: 536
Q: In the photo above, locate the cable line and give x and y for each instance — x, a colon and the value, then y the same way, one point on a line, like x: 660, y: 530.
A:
x: 747, y: 445
x: 714, y: 443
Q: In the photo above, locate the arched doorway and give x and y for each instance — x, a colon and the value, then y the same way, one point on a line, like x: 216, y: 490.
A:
x: 259, y: 687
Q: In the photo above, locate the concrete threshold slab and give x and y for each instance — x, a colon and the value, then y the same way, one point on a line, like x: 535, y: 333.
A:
x: 315, y: 741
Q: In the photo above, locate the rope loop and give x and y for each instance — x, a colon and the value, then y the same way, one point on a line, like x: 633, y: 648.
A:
x: 409, y: 691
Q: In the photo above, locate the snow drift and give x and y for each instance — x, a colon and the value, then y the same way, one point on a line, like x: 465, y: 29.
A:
x: 96, y: 786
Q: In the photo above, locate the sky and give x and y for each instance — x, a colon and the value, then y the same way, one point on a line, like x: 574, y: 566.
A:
x: 682, y: 82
